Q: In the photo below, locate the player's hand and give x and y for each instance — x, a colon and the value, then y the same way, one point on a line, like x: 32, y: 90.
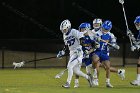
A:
x: 87, y: 52
x: 133, y: 48
x: 86, y: 56
x: 121, y: 1
x: 97, y: 45
x: 60, y: 53
x: 129, y: 32
x: 98, y: 39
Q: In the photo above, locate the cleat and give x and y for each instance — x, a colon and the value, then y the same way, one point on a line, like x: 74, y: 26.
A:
x: 135, y: 83
x: 95, y: 82
x: 76, y: 85
x: 90, y: 80
x: 108, y: 85
x: 67, y: 85
x: 121, y: 73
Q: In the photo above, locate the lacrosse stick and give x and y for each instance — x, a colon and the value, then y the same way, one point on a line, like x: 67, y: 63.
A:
x: 116, y: 46
x: 60, y: 74
x: 22, y: 63
x: 129, y: 33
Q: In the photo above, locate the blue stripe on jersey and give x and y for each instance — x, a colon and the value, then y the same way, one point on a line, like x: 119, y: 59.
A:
x: 74, y: 58
x: 69, y: 30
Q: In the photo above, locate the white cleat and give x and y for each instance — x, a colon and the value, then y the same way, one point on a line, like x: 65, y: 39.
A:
x: 108, y: 85
x: 121, y: 73
x: 135, y: 83
x: 76, y: 85
x: 67, y: 85
x: 95, y: 82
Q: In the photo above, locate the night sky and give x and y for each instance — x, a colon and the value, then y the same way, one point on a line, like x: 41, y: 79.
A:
x: 40, y: 19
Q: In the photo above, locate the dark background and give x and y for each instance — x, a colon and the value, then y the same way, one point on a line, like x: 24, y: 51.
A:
x: 50, y: 13
x: 33, y: 25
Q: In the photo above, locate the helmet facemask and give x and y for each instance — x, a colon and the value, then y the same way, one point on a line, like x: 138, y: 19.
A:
x: 65, y: 26
x: 97, y: 23
x: 137, y: 26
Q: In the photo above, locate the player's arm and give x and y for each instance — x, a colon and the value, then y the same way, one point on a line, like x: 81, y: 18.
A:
x: 113, y: 42
x: 62, y: 52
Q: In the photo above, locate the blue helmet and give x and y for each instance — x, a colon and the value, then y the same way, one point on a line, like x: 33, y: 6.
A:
x: 85, y: 25
x: 107, y: 25
x: 137, y: 20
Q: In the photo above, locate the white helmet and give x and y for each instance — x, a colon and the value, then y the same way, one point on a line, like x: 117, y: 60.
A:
x: 97, y: 21
x: 65, y: 25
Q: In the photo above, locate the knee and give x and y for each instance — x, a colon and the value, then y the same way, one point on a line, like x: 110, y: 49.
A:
x: 107, y: 68
x: 95, y: 59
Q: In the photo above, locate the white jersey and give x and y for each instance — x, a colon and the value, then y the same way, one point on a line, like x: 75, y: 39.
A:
x: 71, y: 38
x: 113, y: 38
x: 91, y: 34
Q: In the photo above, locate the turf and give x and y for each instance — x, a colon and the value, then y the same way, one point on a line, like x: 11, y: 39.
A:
x: 43, y: 81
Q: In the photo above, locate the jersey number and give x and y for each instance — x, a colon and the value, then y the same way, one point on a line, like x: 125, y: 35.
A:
x: 71, y: 42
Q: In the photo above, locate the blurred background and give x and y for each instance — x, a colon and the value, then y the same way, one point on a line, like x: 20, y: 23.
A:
x: 30, y: 28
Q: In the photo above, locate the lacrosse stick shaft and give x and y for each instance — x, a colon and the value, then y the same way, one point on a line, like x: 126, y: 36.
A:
x: 126, y: 23
x: 41, y: 59
x: 60, y: 74
x: 104, y: 40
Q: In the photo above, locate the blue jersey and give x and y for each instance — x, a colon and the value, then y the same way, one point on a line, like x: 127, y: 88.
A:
x: 87, y: 45
x: 103, y: 50
x: 103, y: 46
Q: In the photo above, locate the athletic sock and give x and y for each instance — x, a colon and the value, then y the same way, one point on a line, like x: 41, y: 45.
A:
x: 138, y: 77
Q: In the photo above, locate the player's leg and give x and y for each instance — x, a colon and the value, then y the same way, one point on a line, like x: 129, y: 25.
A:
x: 96, y: 64
x: 88, y: 63
x: 78, y: 72
x: 137, y: 81
x: 72, y: 62
x: 105, y: 60
x: 88, y: 69
x: 120, y: 72
x: 107, y: 64
x: 76, y: 82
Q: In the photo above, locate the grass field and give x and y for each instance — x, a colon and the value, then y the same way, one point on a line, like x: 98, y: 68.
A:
x: 43, y: 81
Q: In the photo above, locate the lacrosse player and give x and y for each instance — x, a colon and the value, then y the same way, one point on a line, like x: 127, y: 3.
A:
x: 72, y: 40
x: 88, y: 47
x: 97, y: 27
x: 137, y: 43
x: 102, y: 54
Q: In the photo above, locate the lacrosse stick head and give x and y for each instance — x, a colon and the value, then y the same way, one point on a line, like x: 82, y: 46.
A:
x: 121, y: 1
x: 117, y: 47
x: 59, y: 75
x: 18, y: 65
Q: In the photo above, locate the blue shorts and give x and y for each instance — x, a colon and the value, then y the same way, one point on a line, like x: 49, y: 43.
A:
x: 88, y: 61
x: 102, y: 55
